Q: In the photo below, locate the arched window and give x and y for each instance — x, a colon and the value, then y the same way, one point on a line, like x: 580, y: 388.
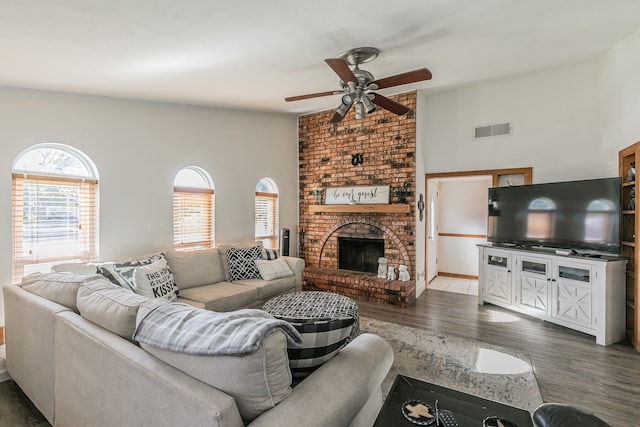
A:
x: 192, y: 209
x: 54, y: 208
x: 599, y: 221
x: 266, y: 211
x: 541, y: 218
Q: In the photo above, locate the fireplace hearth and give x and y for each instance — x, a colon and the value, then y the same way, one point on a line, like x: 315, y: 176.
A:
x: 357, y: 254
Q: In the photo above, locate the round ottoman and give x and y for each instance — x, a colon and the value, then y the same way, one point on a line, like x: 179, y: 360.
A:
x: 326, y: 321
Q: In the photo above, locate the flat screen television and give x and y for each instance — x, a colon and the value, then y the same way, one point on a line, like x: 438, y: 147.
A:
x: 583, y: 216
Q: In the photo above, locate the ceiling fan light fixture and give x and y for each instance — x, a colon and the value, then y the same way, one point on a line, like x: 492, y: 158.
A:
x: 368, y: 105
x: 342, y: 109
x: 347, y: 99
x: 359, y: 110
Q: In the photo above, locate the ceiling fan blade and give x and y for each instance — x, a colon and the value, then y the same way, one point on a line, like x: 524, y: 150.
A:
x: 311, y: 95
x: 387, y: 104
x: 341, y: 68
x: 337, y: 118
x: 404, y: 78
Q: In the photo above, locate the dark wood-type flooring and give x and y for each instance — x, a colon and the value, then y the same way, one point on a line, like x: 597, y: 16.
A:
x: 568, y: 365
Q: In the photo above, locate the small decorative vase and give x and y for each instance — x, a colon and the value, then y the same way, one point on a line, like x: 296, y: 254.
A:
x: 391, y: 273
x: 382, y: 268
x: 403, y: 273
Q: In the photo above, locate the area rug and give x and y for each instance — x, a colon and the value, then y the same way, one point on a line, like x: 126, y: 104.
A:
x: 496, y: 373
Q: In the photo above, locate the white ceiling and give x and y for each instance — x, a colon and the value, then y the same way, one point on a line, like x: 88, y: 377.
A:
x: 251, y: 54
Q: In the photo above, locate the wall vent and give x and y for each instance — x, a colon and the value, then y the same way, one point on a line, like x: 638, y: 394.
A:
x: 500, y: 129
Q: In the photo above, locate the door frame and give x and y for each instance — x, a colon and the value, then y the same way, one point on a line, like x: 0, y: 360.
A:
x: 499, y: 177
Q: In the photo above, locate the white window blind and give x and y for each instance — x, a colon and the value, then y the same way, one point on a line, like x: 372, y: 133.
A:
x: 192, y: 218
x: 54, y: 219
x: 266, y: 211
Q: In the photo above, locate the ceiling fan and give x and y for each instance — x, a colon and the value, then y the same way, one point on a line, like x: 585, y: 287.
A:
x: 357, y: 86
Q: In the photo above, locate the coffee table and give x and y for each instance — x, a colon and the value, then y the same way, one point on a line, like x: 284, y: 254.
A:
x: 468, y: 410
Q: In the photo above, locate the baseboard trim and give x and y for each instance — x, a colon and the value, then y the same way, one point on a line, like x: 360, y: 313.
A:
x: 420, y: 287
x: 460, y: 276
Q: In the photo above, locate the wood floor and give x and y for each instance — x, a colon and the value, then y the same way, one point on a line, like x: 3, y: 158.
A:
x: 568, y: 365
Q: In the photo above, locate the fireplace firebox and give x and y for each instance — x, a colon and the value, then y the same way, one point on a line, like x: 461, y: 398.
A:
x: 357, y: 254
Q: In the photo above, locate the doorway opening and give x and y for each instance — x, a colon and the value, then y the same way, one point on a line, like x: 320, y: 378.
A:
x: 456, y: 212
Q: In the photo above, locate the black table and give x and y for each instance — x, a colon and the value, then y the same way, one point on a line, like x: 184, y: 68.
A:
x: 468, y: 410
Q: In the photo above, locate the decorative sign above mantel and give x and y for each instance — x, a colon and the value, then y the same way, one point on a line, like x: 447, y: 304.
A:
x: 364, y: 195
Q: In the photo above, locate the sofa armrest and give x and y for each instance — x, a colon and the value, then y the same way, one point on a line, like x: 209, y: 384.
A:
x: 30, y: 344
x: 336, y: 393
x: 296, y: 265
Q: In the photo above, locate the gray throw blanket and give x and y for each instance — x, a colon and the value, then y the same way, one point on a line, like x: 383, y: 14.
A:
x: 182, y: 328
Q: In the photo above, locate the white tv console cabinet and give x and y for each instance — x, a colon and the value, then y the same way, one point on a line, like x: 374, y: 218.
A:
x: 582, y: 293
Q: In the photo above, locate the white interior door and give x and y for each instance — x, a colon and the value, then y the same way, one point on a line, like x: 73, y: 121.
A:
x: 432, y: 230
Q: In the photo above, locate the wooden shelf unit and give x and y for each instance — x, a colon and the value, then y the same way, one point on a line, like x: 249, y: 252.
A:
x: 630, y: 242
x: 395, y: 208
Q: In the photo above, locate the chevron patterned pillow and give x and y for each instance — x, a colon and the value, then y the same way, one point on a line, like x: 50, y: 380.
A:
x: 241, y: 263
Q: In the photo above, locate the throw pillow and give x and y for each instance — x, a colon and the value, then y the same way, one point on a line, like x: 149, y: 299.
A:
x: 155, y: 281
x: 322, y: 340
x: 224, y: 255
x: 270, y: 270
x: 123, y: 273
x: 269, y: 253
x: 242, y: 264
x: 257, y: 380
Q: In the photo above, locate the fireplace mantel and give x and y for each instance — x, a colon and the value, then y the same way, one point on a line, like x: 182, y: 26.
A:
x: 390, y: 208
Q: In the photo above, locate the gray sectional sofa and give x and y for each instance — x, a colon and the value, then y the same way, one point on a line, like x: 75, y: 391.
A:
x: 202, y: 278
x: 70, y: 349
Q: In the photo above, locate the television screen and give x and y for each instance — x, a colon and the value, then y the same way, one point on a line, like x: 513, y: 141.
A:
x: 579, y: 215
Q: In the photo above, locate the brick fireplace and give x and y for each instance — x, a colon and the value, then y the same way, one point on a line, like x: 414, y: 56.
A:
x: 387, y: 144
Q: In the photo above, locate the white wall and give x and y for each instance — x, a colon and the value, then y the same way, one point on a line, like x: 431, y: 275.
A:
x: 462, y: 210
x: 568, y: 122
x: 138, y: 148
x: 421, y: 229
x: 620, y: 94
x: 555, y: 115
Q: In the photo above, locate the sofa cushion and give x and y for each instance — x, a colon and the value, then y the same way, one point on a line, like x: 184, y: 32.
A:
x: 195, y: 268
x: 274, y: 269
x: 270, y: 253
x: 241, y: 263
x: 61, y: 288
x: 267, y: 289
x: 124, y: 274
x: 257, y: 380
x: 224, y: 255
x: 222, y: 296
x: 322, y: 340
x: 110, y: 306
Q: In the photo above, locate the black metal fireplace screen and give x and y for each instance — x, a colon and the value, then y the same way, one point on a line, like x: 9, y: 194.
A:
x: 359, y: 254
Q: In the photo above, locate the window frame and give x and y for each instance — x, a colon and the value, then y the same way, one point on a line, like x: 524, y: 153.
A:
x: 272, y: 200
x: 197, y: 203
x: 38, y: 235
